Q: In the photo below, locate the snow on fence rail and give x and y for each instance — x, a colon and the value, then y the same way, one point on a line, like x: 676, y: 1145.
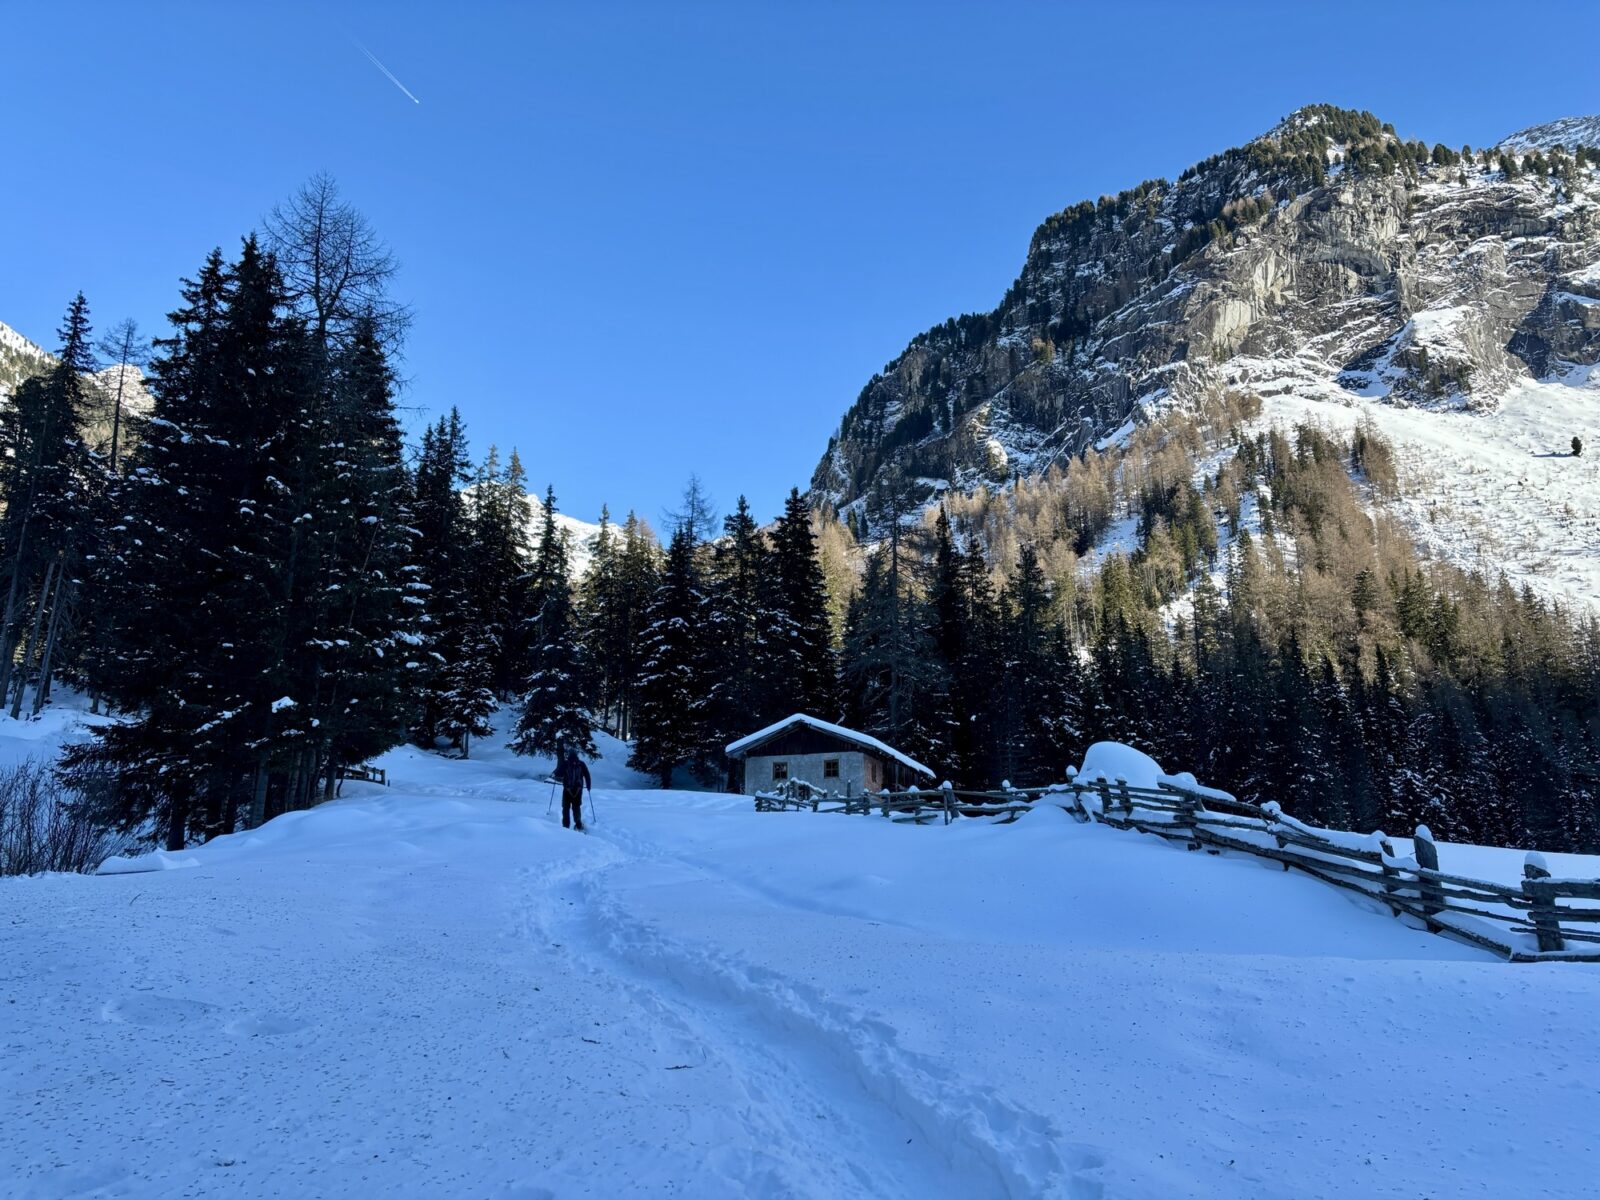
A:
x: 1542, y: 919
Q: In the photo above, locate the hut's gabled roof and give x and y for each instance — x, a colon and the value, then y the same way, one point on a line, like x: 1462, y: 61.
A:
x: 864, y: 740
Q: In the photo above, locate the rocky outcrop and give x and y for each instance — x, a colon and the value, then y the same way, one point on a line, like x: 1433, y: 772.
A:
x: 1382, y: 266
x: 21, y: 358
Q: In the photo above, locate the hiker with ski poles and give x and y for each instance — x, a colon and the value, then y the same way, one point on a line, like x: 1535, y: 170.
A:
x: 573, y: 775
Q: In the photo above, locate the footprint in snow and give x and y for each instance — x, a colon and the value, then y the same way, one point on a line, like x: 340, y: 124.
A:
x: 267, y: 1024
x: 156, y: 1012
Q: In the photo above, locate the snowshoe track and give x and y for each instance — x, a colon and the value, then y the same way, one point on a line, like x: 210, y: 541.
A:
x: 867, y: 1116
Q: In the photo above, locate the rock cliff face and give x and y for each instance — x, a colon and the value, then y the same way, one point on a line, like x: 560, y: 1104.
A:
x: 1328, y: 250
x: 21, y: 358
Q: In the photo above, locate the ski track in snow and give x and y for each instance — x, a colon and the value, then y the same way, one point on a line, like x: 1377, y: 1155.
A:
x: 432, y: 990
x: 909, y: 1127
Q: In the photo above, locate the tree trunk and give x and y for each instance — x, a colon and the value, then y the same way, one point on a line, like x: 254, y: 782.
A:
x: 8, y: 638
x: 258, y: 797
x: 32, y: 644
x: 41, y: 694
x: 177, y: 823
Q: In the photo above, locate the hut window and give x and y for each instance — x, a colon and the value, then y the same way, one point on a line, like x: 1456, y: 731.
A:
x: 830, y: 768
x: 780, y: 771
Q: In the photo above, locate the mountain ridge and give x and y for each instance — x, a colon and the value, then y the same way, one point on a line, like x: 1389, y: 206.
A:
x: 1328, y: 236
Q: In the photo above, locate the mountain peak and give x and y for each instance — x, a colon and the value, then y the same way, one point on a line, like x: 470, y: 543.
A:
x: 1568, y: 131
x: 1338, y: 125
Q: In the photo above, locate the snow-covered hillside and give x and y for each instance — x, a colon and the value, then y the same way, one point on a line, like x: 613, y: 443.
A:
x: 581, y: 534
x: 434, y: 990
x: 19, y: 358
x: 1567, y: 132
x: 1493, y: 490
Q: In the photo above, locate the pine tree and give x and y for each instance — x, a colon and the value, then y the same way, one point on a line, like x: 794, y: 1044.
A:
x: 47, y: 481
x: 499, y: 577
x: 555, y: 710
x: 444, y: 556
x: 207, y: 581
x: 465, y: 700
x: 670, y: 727
x: 735, y: 623
x: 367, y: 624
x: 800, y: 660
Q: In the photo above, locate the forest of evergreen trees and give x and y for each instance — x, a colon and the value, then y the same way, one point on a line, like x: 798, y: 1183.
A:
x: 266, y: 585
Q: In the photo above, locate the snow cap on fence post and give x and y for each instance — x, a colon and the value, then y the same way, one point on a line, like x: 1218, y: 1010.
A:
x: 1542, y: 906
x: 1427, y: 856
x: 949, y: 791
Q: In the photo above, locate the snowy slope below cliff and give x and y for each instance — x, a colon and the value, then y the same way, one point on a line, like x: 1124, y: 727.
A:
x: 1489, y: 489
x: 1567, y: 132
x: 432, y: 989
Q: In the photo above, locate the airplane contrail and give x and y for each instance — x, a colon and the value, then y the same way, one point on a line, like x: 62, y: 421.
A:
x: 387, y: 72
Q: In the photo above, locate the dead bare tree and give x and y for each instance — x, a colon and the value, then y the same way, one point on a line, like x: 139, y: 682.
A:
x: 123, y: 346
x: 335, y: 267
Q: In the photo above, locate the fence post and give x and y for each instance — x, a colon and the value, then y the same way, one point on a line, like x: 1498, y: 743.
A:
x: 885, y: 795
x: 949, y: 802
x: 1546, y: 924
x: 1188, y: 816
x: 1079, y: 812
x: 1127, y: 800
x: 1389, y: 873
x: 1427, y: 856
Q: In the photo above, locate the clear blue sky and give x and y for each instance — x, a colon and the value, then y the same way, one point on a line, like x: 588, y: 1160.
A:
x: 644, y: 239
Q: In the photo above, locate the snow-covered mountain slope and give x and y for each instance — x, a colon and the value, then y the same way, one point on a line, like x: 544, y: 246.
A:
x: 581, y: 535
x: 1330, y: 267
x: 19, y: 358
x: 432, y: 989
x: 1492, y: 490
x: 1569, y: 132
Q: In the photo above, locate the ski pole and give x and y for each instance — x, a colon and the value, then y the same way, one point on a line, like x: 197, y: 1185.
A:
x: 552, y: 802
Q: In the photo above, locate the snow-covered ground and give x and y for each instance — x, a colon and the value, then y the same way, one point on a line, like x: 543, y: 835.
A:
x: 433, y: 990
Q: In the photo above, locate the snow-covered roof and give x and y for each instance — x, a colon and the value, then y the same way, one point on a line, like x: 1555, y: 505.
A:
x: 865, y: 740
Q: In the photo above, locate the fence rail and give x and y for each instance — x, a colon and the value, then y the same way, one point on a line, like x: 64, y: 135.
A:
x: 1543, y: 919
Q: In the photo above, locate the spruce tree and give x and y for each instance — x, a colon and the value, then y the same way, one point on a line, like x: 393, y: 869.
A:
x: 555, y: 709
x: 800, y: 659
x: 48, y: 480
x: 670, y: 726
x: 735, y: 623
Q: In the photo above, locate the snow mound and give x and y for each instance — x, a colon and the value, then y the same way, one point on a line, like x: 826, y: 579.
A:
x: 1112, y: 761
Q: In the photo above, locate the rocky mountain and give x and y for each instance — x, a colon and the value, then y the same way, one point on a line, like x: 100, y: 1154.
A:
x: 1328, y: 258
x: 20, y: 358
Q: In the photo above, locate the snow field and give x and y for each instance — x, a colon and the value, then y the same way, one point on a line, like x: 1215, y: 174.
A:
x: 433, y: 990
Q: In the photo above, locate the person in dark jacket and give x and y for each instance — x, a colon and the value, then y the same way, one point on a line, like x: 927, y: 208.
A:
x: 574, y: 775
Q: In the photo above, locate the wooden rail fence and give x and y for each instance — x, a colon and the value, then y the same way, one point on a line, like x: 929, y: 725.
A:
x: 1543, y: 919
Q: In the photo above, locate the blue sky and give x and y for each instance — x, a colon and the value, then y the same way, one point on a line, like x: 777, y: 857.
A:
x: 648, y: 239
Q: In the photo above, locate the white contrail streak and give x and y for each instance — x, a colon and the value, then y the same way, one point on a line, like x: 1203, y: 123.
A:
x: 387, y: 72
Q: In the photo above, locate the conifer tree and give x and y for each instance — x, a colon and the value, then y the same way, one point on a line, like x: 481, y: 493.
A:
x: 670, y: 728
x: 800, y: 659
x: 47, y: 481
x: 204, y: 604
x: 735, y: 624
x: 466, y: 703
x: 555, y: 711
x: 458, y: 646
